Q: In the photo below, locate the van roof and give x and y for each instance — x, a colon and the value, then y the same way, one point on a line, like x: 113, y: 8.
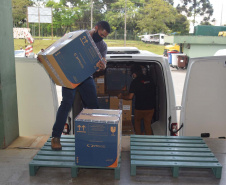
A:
x: 142, y: 56
x: 122, y: 50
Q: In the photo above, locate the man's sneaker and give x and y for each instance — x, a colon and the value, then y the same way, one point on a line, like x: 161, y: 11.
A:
x: 55, y: 143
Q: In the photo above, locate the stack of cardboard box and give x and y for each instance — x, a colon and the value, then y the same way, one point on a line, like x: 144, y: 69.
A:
x: 100, y: 85
x: 103, y: 102
x: 126, y: 107
x: 115, y: 80
x: 118, y: 80
x: 102, y: 97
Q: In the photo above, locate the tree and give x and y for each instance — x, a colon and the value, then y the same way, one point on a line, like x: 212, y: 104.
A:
x: 194, y: 8
x: 155, y: 16
x: 63, y: 16
x: 116, y: 16
x: 19, y: 10
x: 181, y: 25
x: 100, y: 7
x: 205, y: 23
x: 170, y: 1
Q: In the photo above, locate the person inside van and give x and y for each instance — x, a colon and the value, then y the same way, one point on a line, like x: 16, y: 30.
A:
x: 142, y: 88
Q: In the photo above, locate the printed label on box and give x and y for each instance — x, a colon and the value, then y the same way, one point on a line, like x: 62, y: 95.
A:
x: 81, y: 129
x: 98, y: 129
x: 126, y: 107
x: 100, y: 80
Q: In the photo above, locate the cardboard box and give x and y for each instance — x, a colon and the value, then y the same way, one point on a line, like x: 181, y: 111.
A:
x: 127, y: 127
x: 124, y: 105
x: 118, y: 80
x: 106, y: 112
x: 98, y: 138
x: 126, y: 110
x: 103, y: 102
x: 100, y: 87
x: 71, y: 59
x: 115, y: 103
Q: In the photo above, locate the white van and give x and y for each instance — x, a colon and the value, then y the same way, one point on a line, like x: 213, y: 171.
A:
x: 203, y: 102
x: 203, y: 109
x: 158, y: 38
x: 147, y: 38
x: 158, y: 69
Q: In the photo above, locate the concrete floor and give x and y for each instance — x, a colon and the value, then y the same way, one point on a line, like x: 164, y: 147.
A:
x: 14, y: 169
x: 14, y: 164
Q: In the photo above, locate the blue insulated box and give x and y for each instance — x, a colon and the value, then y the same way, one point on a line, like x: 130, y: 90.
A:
x: 71, y: 59
x: 97, y: 139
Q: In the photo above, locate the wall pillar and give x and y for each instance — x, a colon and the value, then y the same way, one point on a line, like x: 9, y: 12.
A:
x: 9, y: 129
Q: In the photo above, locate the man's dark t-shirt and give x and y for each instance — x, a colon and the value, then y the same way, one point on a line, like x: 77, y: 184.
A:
x: 143, y: 88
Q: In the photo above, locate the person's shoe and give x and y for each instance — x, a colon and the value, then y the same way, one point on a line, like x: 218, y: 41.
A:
x: 55, y: 143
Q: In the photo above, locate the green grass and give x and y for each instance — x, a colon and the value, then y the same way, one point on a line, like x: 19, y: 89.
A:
x: 39, y: 44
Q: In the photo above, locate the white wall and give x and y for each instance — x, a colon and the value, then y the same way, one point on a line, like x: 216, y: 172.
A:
x: 36, y: 96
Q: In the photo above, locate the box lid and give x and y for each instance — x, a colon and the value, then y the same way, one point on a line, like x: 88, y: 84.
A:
x: 98, y: 118
x: 102, y: 111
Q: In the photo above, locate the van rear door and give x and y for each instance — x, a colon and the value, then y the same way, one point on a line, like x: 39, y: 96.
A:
x: 203, y: 110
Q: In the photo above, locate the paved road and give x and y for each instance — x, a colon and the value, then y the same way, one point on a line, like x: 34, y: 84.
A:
x: 178, y: 81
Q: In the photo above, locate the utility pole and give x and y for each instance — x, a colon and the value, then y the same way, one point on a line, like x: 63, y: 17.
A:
x: 39, y: 21
x: 221, y: 13
x: 91, y: 14
x: 125, y: 25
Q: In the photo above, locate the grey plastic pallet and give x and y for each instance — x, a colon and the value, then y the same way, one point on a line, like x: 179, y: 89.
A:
x: 172, y: 151
x: 46, y: 157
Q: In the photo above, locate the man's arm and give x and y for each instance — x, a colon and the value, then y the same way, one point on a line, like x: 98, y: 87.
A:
x: 126, y: 97
x: 101, y: 65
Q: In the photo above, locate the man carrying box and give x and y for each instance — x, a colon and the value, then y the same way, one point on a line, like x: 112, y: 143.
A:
x: 86, y: 89
x: 142, y: 88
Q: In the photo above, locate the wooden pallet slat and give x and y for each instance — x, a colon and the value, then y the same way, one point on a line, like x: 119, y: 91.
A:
x: 64, y: 140
x: 181, y: 149
x: 166, y: 137
x: 63, y: 144
x: 56, y: 153
x: 54, y: 158
x: 172, y: 158
x: 177, y: 152
x: 65, y: 158
x: 193, y: 145
x: 158, y: 140
x: 48, y: 148
x: 170, y: 153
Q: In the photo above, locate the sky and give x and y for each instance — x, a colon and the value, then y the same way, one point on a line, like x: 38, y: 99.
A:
x: 219, y: 7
